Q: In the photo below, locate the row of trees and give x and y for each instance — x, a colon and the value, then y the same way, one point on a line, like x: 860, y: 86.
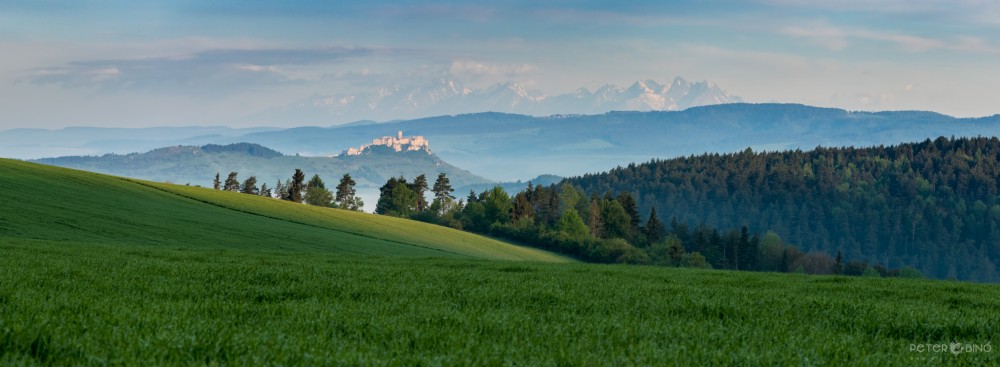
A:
x: 296, y: 189
x: 607, y: 229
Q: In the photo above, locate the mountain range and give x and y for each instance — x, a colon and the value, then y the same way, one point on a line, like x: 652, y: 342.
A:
x: 509, y: 147
x: 449, y: 97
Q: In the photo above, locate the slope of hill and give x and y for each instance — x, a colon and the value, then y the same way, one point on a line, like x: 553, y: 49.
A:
x: 935, y: 204
x: 198, y: 165
x: 67, y: 206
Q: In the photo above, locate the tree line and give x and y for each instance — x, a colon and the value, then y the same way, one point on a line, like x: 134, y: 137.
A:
x: 296, y: 189
x: 607, y: 229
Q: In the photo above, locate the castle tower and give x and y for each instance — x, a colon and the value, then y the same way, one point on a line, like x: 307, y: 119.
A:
x: 400, y: 134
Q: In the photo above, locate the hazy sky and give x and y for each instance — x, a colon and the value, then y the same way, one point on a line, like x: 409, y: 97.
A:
x: 132, y: 63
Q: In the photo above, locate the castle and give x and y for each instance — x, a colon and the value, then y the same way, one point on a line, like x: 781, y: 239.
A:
x: 397, y: 143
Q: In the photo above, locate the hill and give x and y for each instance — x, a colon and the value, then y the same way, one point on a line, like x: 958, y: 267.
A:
x: 198, y: 165
x: 101, y: 270
x: 57, y: 205
x: 933, y: 204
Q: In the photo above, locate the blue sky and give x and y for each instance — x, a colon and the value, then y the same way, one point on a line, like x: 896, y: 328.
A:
x: 126, y: 63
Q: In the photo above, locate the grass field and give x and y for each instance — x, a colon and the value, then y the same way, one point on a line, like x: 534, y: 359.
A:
x: 104, y: 271
x: 101, y: 304
x: 56, y: 204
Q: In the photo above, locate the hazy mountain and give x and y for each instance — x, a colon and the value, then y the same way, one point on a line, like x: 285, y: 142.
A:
x: 509, y: 147
x: 42, y: 143
x: 445, y: 97
x: 198, y: 165
x: 511, y: 187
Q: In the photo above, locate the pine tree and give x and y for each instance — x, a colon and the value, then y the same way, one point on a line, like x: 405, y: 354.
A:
x: 631, y: 208
x: 419, y: 187
x: 315, y: 181
x: 250, y: 186
x: 232, y: 183
x: 442, y: 188
x: 264, y: 190
x: 280, y: 190
x: 654, y: 228
x: 216, y: 183
x: 346, y: 195
x: 296, y: 187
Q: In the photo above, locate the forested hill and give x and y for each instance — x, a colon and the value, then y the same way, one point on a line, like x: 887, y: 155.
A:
x: 934, y: 204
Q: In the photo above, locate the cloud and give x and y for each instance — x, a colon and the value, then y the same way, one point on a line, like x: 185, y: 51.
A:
x: 837, y: 39
x: 475, y: 69
x: 215, y: 70
x: 825, y: 36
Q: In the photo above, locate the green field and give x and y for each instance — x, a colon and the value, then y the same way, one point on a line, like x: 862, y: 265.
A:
x: 57, y: 204
x: 97, y: 271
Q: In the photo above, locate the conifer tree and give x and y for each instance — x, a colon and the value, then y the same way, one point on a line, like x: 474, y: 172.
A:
x: 232, y: 183
x: 442, y: 188
x: 654, y: 228
x: 419, y: 187
x: 297, y: 186
x: 631, y: 208
x: 280, y: 190
x: 346, y: 195
x: 250, y: 186
x: 216, y: 184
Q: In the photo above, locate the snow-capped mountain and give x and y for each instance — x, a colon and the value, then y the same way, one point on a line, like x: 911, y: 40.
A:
x: 448, y: 97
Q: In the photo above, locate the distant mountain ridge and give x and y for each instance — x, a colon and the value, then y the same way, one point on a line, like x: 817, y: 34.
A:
x: 197, y: 165
x: 448, y: 97
x: 510, y: 147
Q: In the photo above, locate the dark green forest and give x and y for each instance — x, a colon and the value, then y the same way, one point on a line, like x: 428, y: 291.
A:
x: 608, y: 229
x: 934, y: 204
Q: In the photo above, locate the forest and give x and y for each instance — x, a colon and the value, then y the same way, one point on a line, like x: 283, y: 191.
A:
x: 933, y: 205
x: 608, y: 229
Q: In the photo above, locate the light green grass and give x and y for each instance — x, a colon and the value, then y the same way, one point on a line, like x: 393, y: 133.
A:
x: 100, y: 304
x: 57, y: 204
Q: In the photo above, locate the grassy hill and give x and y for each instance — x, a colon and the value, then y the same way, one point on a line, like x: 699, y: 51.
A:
x: 98, y: 270
x: 56, y: 204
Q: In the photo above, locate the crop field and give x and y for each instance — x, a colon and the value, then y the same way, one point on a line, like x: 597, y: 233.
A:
x: 101, y: 304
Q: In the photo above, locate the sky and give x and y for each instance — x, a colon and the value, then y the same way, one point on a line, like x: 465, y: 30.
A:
x: 180, y: 62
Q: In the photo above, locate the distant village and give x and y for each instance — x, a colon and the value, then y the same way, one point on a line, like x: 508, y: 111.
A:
x: 398, y: 143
